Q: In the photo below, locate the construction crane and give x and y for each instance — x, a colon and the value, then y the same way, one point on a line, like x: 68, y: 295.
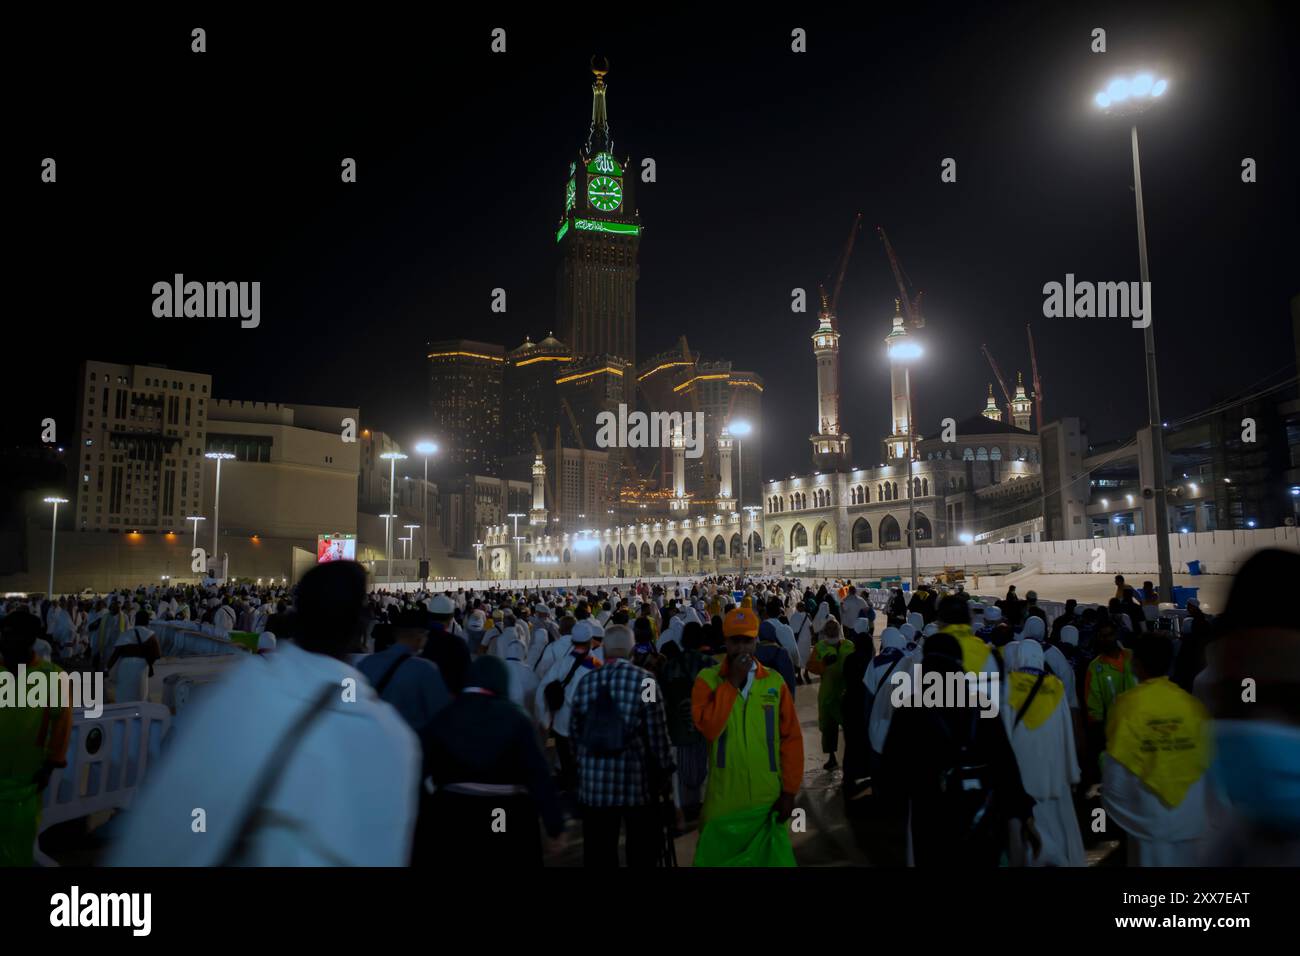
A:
x: 1038, y: 385
x: 844, y: 265
x: 911, y: 305
x: 997, y: 373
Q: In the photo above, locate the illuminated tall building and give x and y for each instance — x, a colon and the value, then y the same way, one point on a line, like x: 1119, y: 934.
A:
x: 598, y: 236
x: 142, y: 433
x: 530, y: 403
x: 465, y: 405
x: 588, y: 386
x: 724, y: 396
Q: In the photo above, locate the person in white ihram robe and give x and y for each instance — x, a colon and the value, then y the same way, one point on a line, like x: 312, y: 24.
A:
x: 1043, y: 741
x: 523, y: 682
x: 345, y: 796
x: 59, y: 627
x: 801, y: 622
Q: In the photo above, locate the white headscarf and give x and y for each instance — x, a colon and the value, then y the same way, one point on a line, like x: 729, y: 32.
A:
x: 1029, y: 654
x: 1034, y: 628
x: 819, y: 620
x: 893, y: 637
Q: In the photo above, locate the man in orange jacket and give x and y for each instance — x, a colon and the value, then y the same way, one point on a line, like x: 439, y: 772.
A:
x: 747, y: 714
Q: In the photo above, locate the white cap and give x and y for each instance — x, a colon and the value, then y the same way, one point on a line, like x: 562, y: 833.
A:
x: 1034, y: 628
x: 1070, y: 635
x: 442, y: 605
x: 993, y: 614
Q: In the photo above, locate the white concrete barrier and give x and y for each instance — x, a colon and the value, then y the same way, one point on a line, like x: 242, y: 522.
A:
x: 108, y: 758
x: 200, y: 670
x: 1219, y: 552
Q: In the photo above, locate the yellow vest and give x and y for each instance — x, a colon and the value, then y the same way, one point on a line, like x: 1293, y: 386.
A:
x: 1161, y: 734
x: 974, y: 652
x: 1044, y: 702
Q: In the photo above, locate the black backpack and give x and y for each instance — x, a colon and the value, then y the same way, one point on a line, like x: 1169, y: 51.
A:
x: 603, y: 732
x: 967, y: 786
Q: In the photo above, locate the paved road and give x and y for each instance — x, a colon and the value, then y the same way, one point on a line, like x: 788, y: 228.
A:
x: 831, y: 837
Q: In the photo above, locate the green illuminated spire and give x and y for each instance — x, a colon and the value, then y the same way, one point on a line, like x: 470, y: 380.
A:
x: 599, y: 139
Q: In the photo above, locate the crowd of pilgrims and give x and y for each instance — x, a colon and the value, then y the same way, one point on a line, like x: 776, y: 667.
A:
x: 463, y: 734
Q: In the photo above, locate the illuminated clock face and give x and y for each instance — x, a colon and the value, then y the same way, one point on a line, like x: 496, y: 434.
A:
x: 605, y: 193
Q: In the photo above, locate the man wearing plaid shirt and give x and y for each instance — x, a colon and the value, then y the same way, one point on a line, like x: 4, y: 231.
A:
x: 621, y: 785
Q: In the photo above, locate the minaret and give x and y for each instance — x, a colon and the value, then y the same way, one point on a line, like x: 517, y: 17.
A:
x: 1022, y: 406
x: 830, y: 445
x: 726, y: 500
x: 901, y: 350
x: 991, y: 410
x: 679, y: 503
x: 537, y: 516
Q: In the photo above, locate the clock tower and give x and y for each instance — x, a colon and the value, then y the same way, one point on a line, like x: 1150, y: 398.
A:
x: 598, y: 235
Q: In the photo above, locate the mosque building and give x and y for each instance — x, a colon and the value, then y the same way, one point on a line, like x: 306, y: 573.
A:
x: 977, y: 480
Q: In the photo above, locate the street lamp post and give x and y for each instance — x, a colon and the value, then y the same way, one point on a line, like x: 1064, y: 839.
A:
x: 739, y: 430
x: 218, y: 457
x: 54, y: 500
x: 517, y: 515
x: 196, y: 519
x: 393, y: 458
x: 425, y: 448
x: 1129, y: 97
x: 388, y: 518
x: 751, y: 510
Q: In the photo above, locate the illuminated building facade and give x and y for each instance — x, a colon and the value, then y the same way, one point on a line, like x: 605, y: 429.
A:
x: 141, y: 434
x: 465, y: 404
x: 530, y: 400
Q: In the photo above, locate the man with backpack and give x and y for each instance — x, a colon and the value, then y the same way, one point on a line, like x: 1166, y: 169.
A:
x: 624, y: 756
x: 952, y: 777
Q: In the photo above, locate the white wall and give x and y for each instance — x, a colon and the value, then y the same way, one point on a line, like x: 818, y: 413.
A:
x: 1220, y: 552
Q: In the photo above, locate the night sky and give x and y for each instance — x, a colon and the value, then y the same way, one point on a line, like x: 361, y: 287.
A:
x: 225, y: 167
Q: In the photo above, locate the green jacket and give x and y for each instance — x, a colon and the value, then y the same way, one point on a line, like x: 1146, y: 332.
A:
x: 745, y: 759
x: 830, y: 696
x: 1105, y: 680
